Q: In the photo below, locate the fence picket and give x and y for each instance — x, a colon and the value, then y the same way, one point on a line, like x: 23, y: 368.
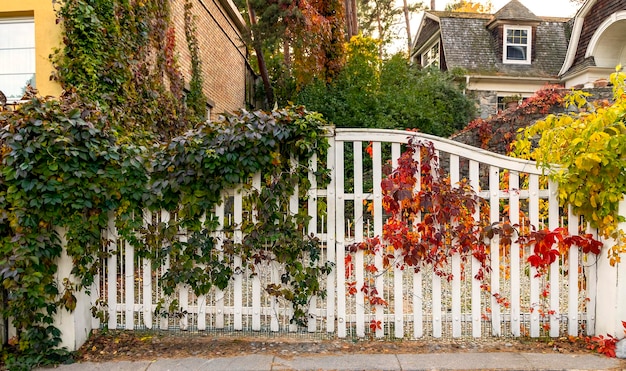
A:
x: 164, y: 323
x: 474, y: 176
x: 312, y: 231
x: 239, y: 269
x: 515, y: 255
x: 494, y: 217
x: 112, y: 240
x: 379, y: 281
x: 358, y: 237
x: 256, y: 280
x: 219, y: 245
x: 418, y: 294
x: 592, y: 287
x: 340, y: 229
x: 398, y: 287
x: 436, y: 306
x: 572, y: 274
x: 533, y: 213
x: 456, y: 259
x: 274, y: 307
x: 553, y: 221
x: 294, y: 201
x: 331, y: 242
x: 147, y: 281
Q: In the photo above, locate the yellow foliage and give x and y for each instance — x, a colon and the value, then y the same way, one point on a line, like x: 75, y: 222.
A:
x: 585, y: 153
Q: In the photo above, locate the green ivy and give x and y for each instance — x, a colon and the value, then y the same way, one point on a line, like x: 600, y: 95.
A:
x: 196, y: 101
x: 123, y: 140
x: 121, y: 54
x: 63, y: 170
x: 189, y: 176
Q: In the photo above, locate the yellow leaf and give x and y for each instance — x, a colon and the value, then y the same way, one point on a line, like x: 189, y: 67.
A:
x: 576, y: 141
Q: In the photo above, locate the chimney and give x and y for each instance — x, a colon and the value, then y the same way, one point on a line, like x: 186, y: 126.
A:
x: 432, y: 4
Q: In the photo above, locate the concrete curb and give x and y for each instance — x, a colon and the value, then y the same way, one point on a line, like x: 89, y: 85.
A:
x: 354, y: 362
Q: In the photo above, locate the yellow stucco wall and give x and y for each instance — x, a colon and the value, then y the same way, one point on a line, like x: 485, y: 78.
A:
x: 47, y: 37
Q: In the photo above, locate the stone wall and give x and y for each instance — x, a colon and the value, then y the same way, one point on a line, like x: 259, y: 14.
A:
x: 495, y: 133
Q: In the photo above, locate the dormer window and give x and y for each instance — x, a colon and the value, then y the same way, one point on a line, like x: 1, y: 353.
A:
x: 431, y: 56
x: 517, y: 44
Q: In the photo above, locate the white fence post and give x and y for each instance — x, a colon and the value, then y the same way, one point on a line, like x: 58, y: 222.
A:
x: 476, y: 315
x: 572, y: 306
x: 494, y: 217
x: 76, y: 325
x: 610, y: 298
x: 358, y: 237
x: 331, y: 279
x: 378, y: 231
x: 339, y: 234
x: 620, y: 311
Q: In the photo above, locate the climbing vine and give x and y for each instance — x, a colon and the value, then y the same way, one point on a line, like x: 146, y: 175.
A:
x: 590, y: 148
x: 62, y: 172
x: 429, y: 224
x: 196, y: 101
x: 123, y: 139
x: 64, y: 175
x: 122, y: 55
x: 497, y: 133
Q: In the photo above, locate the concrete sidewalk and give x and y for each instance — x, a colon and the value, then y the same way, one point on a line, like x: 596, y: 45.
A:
x: 403, y: 362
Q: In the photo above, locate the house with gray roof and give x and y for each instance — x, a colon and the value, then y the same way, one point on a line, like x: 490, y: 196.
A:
x: 513, y: 52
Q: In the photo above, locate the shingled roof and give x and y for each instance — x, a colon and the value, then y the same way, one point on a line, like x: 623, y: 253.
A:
x: 514, y: 11
x: 468, y: 43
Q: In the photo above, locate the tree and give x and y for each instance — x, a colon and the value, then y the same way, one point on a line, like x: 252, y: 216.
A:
x: 380, y: 18
x: 307, y: 35
x: 370, y: 92
x: 352, y: 21
x: 468, y: 6
x: 377, y: 18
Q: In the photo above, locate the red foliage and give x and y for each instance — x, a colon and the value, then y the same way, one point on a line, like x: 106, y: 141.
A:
x: 499, y: 130
x: 375, y: 325
x: 549, y: 245
x: 430, y: 220
x: 602, y: 344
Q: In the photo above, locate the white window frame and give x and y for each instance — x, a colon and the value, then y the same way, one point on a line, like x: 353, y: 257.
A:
x: 506, y: 44
x: 431, y: 55
x: 16, y: 20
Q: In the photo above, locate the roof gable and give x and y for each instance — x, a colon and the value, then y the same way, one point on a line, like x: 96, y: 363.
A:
x: 513, y: 11
x: 591, y: 15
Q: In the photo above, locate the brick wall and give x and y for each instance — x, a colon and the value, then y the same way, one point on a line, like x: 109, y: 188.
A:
x: 222, y: 53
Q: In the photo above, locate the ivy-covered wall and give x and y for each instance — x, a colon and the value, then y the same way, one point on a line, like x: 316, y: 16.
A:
x: 219, y: 28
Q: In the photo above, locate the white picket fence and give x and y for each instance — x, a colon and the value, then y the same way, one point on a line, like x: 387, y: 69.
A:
x: 420, y: 304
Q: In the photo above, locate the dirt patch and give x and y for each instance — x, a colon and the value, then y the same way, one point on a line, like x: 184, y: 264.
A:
x: 142, y: 345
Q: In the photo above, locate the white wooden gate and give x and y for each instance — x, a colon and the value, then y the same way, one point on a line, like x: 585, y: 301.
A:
x: 420, y: 304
